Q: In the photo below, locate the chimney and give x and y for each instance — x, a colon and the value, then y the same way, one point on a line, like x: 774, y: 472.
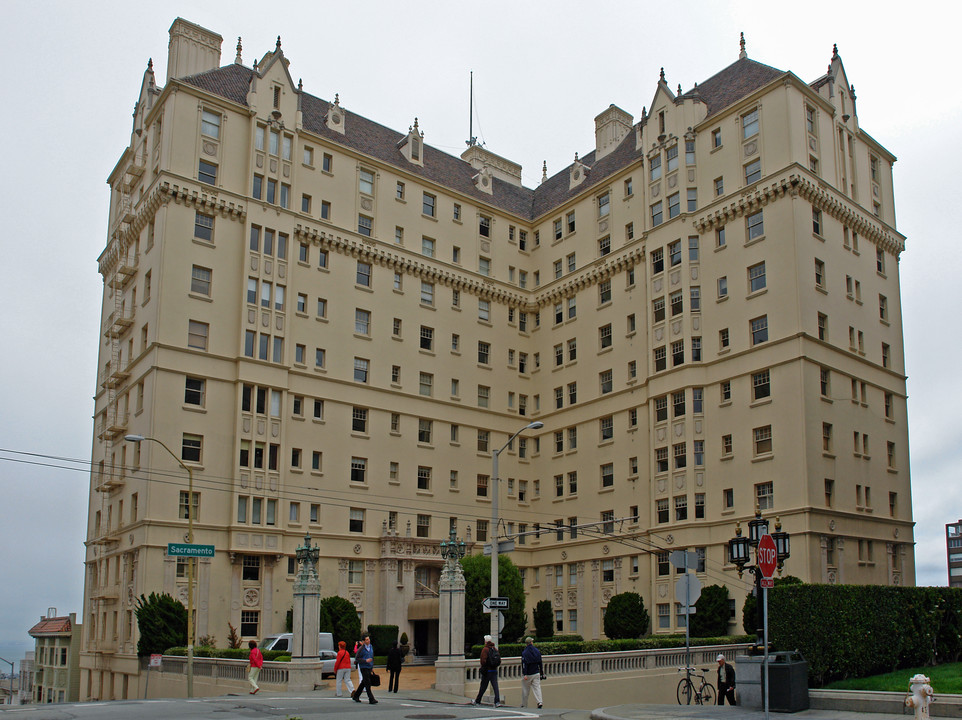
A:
x: 192, y: 49
x: 611, y: 126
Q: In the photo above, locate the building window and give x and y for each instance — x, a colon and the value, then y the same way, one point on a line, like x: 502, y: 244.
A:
x: 765, y: 496
x: 692, y: 197
x: 662, y: 510
x: 182, y: 505
x: 816, y: 221
x: 356, y: 522
x: 756, y: 225
x: 719, y: 184
x: 656, y: 214
x: 681, y: 508
x: 750, y: 124
x: 763, y: 440
x: 429, y: 205
x: 761, y: 385
x: 359, y: 420
x: 204, y: 227
x: 756, y: 277
x: 605, y: 380
x: 194, y: 391
x: 200, y: 280
x: 674, y: 205
x: 197, y: 334
x: 654, y: 168
x: 363, y: 276
x: 207, y: 173
x: 365, y: 225
x: 759, y: 329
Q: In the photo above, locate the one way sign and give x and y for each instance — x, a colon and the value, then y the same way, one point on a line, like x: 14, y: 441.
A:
x: 494, y: 603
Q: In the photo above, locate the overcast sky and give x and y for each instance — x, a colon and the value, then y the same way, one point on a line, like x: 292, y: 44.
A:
x: 542, y: 71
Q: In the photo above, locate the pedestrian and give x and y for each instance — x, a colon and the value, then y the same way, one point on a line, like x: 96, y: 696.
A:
x: 726, y: 681
x: 357, y: 646
x: 255, y: 661
x: 365, y: 662
x: 342, y: 670
x: 532, y: 672
x: 394, y: 660
x: 490, y: 660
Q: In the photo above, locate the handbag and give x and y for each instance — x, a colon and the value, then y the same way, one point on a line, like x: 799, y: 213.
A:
x: 375, y: 679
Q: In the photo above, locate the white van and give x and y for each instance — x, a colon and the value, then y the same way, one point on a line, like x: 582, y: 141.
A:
x: 284, y: 642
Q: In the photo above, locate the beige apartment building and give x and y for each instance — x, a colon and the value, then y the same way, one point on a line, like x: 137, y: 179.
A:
x: 334, y: 324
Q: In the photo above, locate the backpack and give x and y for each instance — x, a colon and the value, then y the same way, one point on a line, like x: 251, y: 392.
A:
x: 494, y: 658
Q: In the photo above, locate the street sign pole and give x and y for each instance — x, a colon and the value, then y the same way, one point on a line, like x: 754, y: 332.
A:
x: 767, y: 557
x: 687, y: 623
x: 765, y: 631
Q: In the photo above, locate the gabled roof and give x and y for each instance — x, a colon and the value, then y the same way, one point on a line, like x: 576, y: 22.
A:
x: 728, y: 86
x: 51, y: 626
x: 232, y: 82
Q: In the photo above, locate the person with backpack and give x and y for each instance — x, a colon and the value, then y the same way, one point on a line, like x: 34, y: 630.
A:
x: 490, y: 660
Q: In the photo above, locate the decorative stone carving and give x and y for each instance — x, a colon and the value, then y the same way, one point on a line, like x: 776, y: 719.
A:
x: 210, y: 148
x: 572, y: 597
x: 273, y: 165
x: 259, y: 161
x: 659, y: 334
x: 700, y: 479
x: 606, y: 596
x: 557, y: 600
x: 680, y: 482
x: 366, y: 204
x: 564, y: 554
x: 694, y: 272
x: 357, y: 599
x: 675, y: 278
x: 252, y: 597
x: 662, y: 591
x: 676, y: 327
x: 657, y: 285
x: 245, y: 477
x: 698, y: 427
x: 660, y: 434
x: 662, y: 485
x: 673, y: 181
x: 751, y: 148
x: 679, y: 429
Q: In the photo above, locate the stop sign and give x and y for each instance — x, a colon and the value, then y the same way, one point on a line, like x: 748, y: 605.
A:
x: 767, y: 556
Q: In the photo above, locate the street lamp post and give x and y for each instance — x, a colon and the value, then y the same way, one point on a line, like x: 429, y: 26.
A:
x: 493, y: 533
x: 190, y: 561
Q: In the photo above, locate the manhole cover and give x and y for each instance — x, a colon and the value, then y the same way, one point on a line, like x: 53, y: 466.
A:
x: 430, y: 716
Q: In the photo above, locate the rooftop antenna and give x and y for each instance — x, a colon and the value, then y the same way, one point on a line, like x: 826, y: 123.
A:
x: 472, y: 141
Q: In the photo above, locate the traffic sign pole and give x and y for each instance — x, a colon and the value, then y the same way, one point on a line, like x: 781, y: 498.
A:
x: 767, y: 559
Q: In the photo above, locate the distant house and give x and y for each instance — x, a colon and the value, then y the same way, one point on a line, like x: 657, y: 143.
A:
x: 57, y: 658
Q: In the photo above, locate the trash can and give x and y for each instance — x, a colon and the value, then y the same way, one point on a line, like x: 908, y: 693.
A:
x: 787, y: 682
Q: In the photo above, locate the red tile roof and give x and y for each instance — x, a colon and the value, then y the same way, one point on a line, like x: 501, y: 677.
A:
x: 51, y: 626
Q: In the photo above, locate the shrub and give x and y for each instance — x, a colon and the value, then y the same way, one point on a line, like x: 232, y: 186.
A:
x: 162, y: 622
x: 477, y: 576
x: 543, y: 619
x: 711, y: 616
x: 626, y: 616
x: 339, y: 617
x: 382, y: 636
x: 233, y: 639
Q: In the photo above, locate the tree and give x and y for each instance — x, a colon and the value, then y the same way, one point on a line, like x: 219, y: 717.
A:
x: 477, y: 576
x: 749, y: 608
x: 339, y: 617
x: 712, y: 613
x: 543, y: 619
x: 162, y: 622
x: 626, y: 616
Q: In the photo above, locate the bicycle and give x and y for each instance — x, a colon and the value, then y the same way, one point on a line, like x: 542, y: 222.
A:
x: 702, y: 693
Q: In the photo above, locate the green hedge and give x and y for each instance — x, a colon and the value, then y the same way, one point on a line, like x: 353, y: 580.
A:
x: 382, y: 637
x: 848, y: 631
x: 228, y: 653
x: 653, y: 642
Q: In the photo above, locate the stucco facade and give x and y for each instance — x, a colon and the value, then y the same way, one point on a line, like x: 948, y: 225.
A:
x: 334, y: 324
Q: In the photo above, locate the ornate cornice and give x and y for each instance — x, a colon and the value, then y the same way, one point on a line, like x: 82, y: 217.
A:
x: 749, y: 201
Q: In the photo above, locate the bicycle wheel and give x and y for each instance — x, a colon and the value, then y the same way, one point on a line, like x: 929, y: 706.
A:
x: 685, y: 691
x: 708, y: 694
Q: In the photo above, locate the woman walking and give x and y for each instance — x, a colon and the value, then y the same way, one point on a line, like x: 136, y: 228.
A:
x: 342, y: 670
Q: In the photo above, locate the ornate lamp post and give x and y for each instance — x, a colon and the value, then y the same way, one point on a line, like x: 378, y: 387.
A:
x: 449, y: 667
x: 307, y: 603
x: 190, y: 562
x: 739, y: 551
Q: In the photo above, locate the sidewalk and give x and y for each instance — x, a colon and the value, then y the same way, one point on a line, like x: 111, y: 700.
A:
x: 727, y: 712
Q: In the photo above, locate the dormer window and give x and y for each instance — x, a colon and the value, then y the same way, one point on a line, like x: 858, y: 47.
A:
x: 415, y: 149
